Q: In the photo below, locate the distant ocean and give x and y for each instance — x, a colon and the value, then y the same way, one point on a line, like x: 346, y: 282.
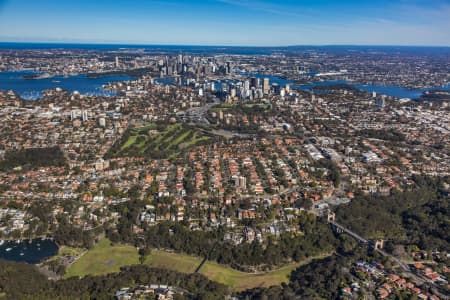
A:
x: 240, y: 50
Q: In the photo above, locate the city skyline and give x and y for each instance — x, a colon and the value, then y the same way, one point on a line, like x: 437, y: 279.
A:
x: 228, y: 22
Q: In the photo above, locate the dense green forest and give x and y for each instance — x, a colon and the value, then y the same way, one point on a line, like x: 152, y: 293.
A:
x: 23, y: 281
x: 33, y: 158
x: 414, y: 217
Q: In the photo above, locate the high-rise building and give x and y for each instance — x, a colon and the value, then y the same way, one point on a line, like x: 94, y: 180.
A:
x: 246, y: 85
x: 254, y: 82
x: 233, y: 93
x: 381, y: 102
x: 85, y: 116
x: 102, y: 122
x: 117, y: 62
x: 266, y: 86
x: 276, y: 88
x: 228, y: 68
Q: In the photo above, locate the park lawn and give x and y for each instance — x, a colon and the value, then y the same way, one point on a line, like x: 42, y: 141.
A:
x: 103, y: 259
x: 223, y: 274
x: 173, y: 261
x: 241, y: 281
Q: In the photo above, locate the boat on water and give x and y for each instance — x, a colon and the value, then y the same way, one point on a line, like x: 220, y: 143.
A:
x: 18, y: 241
x: 21, y: 254
x: 8, y: 249
x: 2, y: 242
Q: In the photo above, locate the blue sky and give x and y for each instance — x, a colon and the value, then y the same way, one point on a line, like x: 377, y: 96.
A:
x: 228, y: 22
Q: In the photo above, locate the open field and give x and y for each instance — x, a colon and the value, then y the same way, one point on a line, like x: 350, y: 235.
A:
x: 103, y: 259
x: 173, y: 261
x: 159, y: 141
x: 220, y: 273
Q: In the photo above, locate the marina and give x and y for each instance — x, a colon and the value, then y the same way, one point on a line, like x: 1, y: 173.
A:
x: 29, y: 251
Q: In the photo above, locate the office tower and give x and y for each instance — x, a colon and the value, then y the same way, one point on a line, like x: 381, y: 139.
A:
x: 117, y: 62
x: 276, y: 88
x: 254, y: 82
x: 233, y: 93
x: 228, y: 68
x: 246, y: 85
x: 380, y: 102
x: 102, y: 122
x: 84, y: 116
x: 266, y: 85
x: 374, y: 94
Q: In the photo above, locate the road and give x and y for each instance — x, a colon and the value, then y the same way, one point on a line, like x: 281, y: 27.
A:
x: 403, y: 265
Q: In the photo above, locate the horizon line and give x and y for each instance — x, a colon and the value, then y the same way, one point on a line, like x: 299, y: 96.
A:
x: 215, y: 45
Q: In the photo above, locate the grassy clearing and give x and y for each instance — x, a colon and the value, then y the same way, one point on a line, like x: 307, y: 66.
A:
x: 241, y: 281
x: 173, y: 261
x: 103, y: 259
x: 235, y: 279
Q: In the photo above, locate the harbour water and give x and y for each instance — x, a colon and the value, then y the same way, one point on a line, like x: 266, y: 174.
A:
x: 31, y: 89
x: 29, y: 251
x: 389, y: 90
